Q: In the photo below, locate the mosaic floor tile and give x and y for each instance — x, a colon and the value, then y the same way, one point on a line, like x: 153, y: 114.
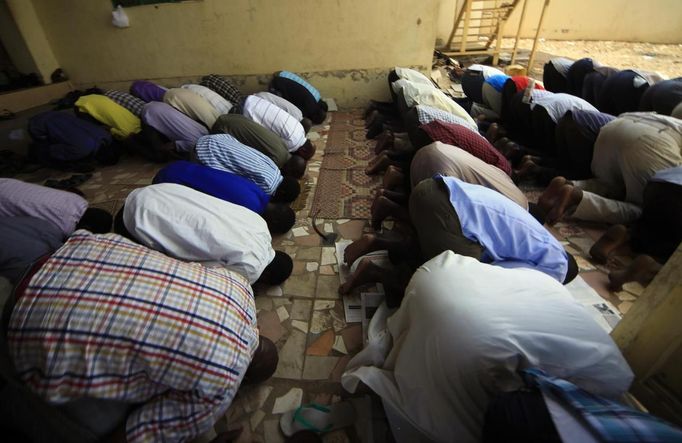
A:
x: 269, y: 325
x: 291, y: 356
x: 322, y: 346
x: 319, y: 368
x: 301, y: 285
x: 301, y: 309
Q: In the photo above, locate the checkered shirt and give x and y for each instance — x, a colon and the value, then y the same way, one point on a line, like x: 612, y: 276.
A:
x: 224, y: 152
x: 223, y: 87
x: 611, y: 421
x: 470, y: 141
x: 128, y: 101
x: 427, y: 114
x: 105, y: 318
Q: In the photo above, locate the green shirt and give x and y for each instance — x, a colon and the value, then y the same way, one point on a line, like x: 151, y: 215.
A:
x: 253, y: 135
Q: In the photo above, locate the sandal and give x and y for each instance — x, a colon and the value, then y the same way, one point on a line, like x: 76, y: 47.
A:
x: 318, y: 418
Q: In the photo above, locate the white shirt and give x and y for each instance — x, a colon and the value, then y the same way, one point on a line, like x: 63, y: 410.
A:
x: 277, y: 120
x: 281, y: 103
x: 412, y: 75
x: 193, y: 226
x: 463, y: 331
x: 557, y: 105
x: 216, y: 100
x: 414, y: 88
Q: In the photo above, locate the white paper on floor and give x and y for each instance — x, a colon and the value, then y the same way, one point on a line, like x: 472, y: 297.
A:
x: 331, y: 104
x: 352, y: 308
x: 602, y: 311
x: 370, y: 303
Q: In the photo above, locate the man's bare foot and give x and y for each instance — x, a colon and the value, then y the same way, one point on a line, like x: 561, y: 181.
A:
x: 378, y: 164
x: 527, y: 169
x: 366, y: 272
x: 384, y: 141
x: 569, y: 198
x: 612, y: 239
x: 643, y: 269
x: 394, y: 177
x: 549, y: 197
x: 371, y: 117
x: 381, y: 210
x: 358, y: 248
x: 492, y: 133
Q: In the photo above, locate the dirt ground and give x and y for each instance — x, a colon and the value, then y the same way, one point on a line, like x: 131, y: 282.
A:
x: 664, y: 59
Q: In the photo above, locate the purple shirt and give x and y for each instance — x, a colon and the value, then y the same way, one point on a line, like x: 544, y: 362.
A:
x: 62, y: 208
x: 173, y: 124
x: 147, y: 91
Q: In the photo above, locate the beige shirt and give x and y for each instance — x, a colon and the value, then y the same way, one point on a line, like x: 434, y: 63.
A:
x: 193, y: 105
x: 451, y: 161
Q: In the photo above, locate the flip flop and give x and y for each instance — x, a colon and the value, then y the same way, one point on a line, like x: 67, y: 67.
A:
x: 318, y: 418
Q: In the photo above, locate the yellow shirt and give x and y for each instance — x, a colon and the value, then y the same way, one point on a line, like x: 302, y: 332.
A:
x: 122, y: 123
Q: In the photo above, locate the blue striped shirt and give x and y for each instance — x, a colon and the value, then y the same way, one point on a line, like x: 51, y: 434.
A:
x: 224, y: 152
x: 299, y: 80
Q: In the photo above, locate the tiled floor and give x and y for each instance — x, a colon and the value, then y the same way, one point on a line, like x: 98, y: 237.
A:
x: 304, y: 316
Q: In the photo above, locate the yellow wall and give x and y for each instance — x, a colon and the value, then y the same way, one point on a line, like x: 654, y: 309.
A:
x: 652, y: 21
x: 14, y: 43
x: 26, y: 19
x: 342, y: 39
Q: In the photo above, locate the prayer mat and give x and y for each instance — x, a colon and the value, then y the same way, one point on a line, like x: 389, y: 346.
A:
x: 343, y: 189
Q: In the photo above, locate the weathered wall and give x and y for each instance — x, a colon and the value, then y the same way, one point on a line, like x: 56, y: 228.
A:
x: 652, y: 21
x: 341, y: 43
x: 13, y: 42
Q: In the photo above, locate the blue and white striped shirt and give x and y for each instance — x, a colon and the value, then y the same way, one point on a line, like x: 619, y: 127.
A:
x: 291, y: 76
x: 224, y: 152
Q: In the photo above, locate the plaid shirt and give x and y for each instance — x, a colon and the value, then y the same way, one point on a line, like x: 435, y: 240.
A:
x: 470, y: 141
x: 223, y: 87
x: 130, y: 102
x: 108, y: 319
x: 427, y: 114
x: 611, y: 421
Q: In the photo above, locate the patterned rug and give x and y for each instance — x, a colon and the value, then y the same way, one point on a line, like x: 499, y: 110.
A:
x: 343, y: 188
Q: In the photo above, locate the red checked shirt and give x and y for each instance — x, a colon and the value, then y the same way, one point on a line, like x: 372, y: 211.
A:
x: 108, y: 319
x: 470, y: 141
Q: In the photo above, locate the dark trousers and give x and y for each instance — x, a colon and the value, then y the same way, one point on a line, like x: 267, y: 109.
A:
x: 519, y: 416
x: 553, y: 80
x: 543, y: 131
x: 576, y: 75
x: 472, y: 85
x: 392, y: 77
x: 618, y: 94
x: 574, y: 149
x: 659, y: 231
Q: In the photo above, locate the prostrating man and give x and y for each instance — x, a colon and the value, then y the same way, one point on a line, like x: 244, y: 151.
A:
x: 216, y: 100
x: 621, y: 92
x: 173, y: 126
x: 594, y: 81
x: 64, y: 141
x: 546, y: 112
x: 230, y: 188
x: 473, y: 78
x: 192, y: 226
x: 66, y: 210
x: 462, y: 335
x: 576, y: 75
x: 281, y: 123
x: 224, y: 152
x: 192, y: 104
x: 628, y: 152
x: 121, y: 122
x: 225, y: 88
x: 468, y: 219
x: 257, y: 136
x: 299, y: 95
x: 282, y: 103
x: 662, y: 97
x: 128, y: 101
x: 88, y: 335
x: 575, y: 135
x: 147, y: 91
x: 555, y: 73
